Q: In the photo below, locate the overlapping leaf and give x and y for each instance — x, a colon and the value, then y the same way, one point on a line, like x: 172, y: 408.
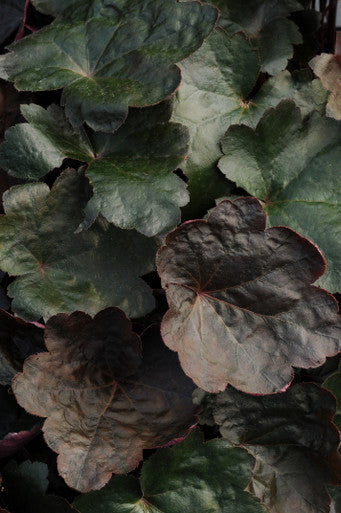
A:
x: 18, y: 340
x: 294, y: 441
x: 59, y: 270
x: 131, y: 170
x: 131, y: 64
x: 24, y: 487
x: 191, y: 476
x: 261, y: 20
x: 104, y: 406
x: 242, y: 310
x: 333, y: 383
x: 328, y: 68
x: 294, y: 168
x: 217, y: 82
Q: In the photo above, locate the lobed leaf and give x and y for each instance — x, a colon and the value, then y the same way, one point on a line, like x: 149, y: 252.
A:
x: 294, y: 441
x: 191, y: 476
x: 328, y: 68
x: 59, y: 270
x: 216, y: 91
x: 131, y: 64
x: 103, y: 405
x: 293, y: 167
x: 242, y: 309
x: 130, y: 171
x: 260, y: 20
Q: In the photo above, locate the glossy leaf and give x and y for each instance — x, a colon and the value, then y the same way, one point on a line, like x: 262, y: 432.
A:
x: 293, y: 167
x: 242, y: 308
x: 333, y: 383
x: 131, y: 170
x: 18, y: 340
x: 294, y: 441
x: 191, y: 476
x: 215, y: 92
x: 24, y: 487
x: 131, y: 64
x: 268, y: 27
x: 328, y: 69
x: 59, y: 270
x: 103, y: 405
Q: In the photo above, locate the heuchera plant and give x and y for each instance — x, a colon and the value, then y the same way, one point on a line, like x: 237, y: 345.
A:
x: 169, y: 249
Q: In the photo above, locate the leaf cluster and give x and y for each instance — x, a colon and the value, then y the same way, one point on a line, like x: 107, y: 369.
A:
x: 148, y: 365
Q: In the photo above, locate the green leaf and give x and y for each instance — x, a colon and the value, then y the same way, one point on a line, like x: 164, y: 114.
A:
x: 266, y: 24
x: 191, y: 476
x: 24, y: 487
x: 103, y: 406
x: 333, y: 383
x: 242, y: 309
x: 328, y: 68
x: 294, y: 441
x: 130, y: 170
x: 131, y: 64
x: 61, y: 271
x: 53, y: 7
x: 18, y: 340
x: 293, y: 167
x: 215, y: 92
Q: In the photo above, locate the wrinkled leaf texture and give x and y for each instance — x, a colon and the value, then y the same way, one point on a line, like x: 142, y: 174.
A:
x: 293, y: 167
x: 103, y: 404
x: 242, y: 309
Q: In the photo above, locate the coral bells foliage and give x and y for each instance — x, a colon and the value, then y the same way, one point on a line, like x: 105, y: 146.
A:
x: 170, y: 233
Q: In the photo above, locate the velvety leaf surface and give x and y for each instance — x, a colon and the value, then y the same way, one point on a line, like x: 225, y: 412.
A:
x: 191, y: 476
x: 333, y: 383
x: 294, y: 441
x: 103, y: 405
x: 294, y: 168
x: 328, y: 69
x: 130, y: 171
x: 217, y: 82
x: 242, y: 310
x: 24, y: 487
x: 61, y: 271
x: 261, y: 20
x: 131, y: 64
x: 12, y: 14
x: 18, y: 340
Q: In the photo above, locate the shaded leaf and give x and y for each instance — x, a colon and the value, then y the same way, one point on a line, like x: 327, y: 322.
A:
x: 103, y: 406
x: 328, y: 69
x: 261, y: 20
x: 335, y: 492
x: 131, y: 170
x: 294, y: 441
x: 12, y: 12
x: 242, y: 310
x: 293, y: 167
x: 18, y: 340
x: 333, y: 383
x: 191, y: 476
x: 59, y: 270
x: 53, y: 7
x: 14, y: 442
x: 215, y: 92
x: 131, y: 64
x: 309, y: 24
x: 24, y: 487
